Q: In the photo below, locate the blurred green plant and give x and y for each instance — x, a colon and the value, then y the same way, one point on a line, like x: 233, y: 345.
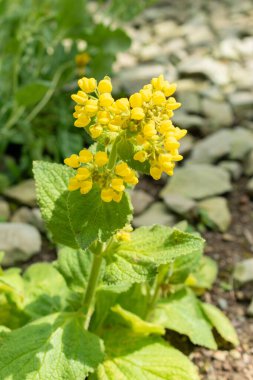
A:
x: 44, y: 46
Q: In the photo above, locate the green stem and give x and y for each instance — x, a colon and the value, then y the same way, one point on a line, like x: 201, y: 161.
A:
x: 113, y: 155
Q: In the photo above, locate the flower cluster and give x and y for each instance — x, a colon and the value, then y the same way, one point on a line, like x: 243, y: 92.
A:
x: 93, y: 169
x: 144, y: 119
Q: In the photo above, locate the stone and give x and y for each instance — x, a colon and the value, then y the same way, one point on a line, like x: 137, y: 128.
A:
x: 242, y: 103
x: 248, y: 166
x: 198, y: 181
x: 4, y: 210
x: 141, y: 201
x: 228, y: 48
x: 217, y: 72
x: 219, y: 113
x: 233, y: 168
x: 188, y: 121
x: 186, y: 144
x: 243, y: 271
x: 179, y: 204
x: 190, y: 101
x: 30, y: 216
x: 241, y: 143
x: 19, y: 242
x: 167, y: 30
x: 23, y: 193
x: 249, y: 187
x: 157, y: 213
x: 212, y: 148
x: 250, y: 309
x: 150, y: 53
x: 217, y: 211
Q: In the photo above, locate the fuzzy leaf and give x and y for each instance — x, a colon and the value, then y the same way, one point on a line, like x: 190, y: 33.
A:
x: 221, y: 323
x: 204, y: 275
x: 144, y: 358
x: 53, y: 347
x: 73, y: 219
x: 138, y: 259
x: 181, y: 312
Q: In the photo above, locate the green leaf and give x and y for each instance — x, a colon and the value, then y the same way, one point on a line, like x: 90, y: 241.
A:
x: 138, y: 259
x: 126, y: 151
x: 82, y: 218
x: 220, y: 322
x: 45, y: 290
x: 131, y: 357
x: 204, y: 275
x: 32, y: 93
x: 183, y: 266
x: 53, y: 347
x: 181, y: 312
x: 74, y: 265
x: 137, y: 325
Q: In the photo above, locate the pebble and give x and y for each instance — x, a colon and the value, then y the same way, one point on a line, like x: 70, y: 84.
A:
x: 4, y: 210
x: 23, y: 193
x: 141, y: 201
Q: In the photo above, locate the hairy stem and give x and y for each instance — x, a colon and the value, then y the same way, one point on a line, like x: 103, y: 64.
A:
x: 92, y: 282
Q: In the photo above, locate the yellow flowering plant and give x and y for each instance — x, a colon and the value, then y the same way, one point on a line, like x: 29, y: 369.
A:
x: 100, y: 311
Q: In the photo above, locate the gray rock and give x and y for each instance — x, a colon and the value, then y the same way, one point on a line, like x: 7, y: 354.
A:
x: 241, y: 143
x: 23, y: 193
x: 149, y: 53
x: 167, y: 30
x: 233, y: 168
x: 30, y: 216
x: 250, y: 309
x: 140, y: 200
x: 198, y: 181
x: 217, y: 211
x: 244, y: 271
x: 248, y: 167
x: 219, y: 113
x: 179, y: 204
x: 19, y: 242
x: 190, y: 101
x: 4, y: 210
x: 157, y: 213
x: 242, y: 103
x: 212, y: 147
x: 188, y: 121
x: 186, y: 144
x: 217, y: 72
x: 250, y: 187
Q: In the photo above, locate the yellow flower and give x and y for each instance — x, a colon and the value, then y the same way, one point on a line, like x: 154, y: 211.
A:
x: 82, y: 121
x: 82, y: 59
x: 91, y: 106
x: 107, y: 195
x: 117, y: 196
x: 83, y: 174
x: 96, y: 131
x: 171, y: 143
x: 123, y: 235
x: 158, y: 98
x: 117, y: 184
x: 146, y: 94
x: 141, y: 156
x: 137, y: 113
x: 169, y: 89
x: 122, y: 169
x: 149, y: 130
x: 80, y: 98
x: 88, y: 85
x: 105, y: 99
x: 136, y: 100
x: 155, y: 172
x: 122, y: 104
x: 72, y: 161
x: 103, y: 117
x: 131, y: 179
x: 172, y: 104
x: 73, y: 184
x: 101, y: 159
x: 105, y: 85
x: 158, y: 83
x: 85, y: 156
x: 86, y: 186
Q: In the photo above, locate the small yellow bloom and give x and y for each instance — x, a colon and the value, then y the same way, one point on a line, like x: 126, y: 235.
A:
x: 103, y: 117
x: 137, y: 113
x: 141, y: 156
x: 180, y: 133
x: 136, y: 100
x: 171, y: 143
x: 149, y: 130
x: 105, y: 85
x: 82, y: 59
x: 122, y: 104
x: 123, y: 236
x: 131, y: 179
x: 88, y: 85
x: 107, y: 195
x: 146, y: 94
x: 96, y: 131
x: 86, y: 186
x: 172, y: 104
x: 158, y: 98
x: 72, y: 161
x: 178, y: 157
x: 82, y: 121
x: 101, y: 159
x: 85, y: 156
x: 73, y: 184
x: 140, y: 139
x: 122, y: 169
x: 156, y: 172
x: 169, y: 89
x: 80, y: 98
x: 105, y: 99
x: 91, y: 106
x: 117, y: 196
x: 117, y: 184
x: 83, y: 174
x: 165, y: 126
